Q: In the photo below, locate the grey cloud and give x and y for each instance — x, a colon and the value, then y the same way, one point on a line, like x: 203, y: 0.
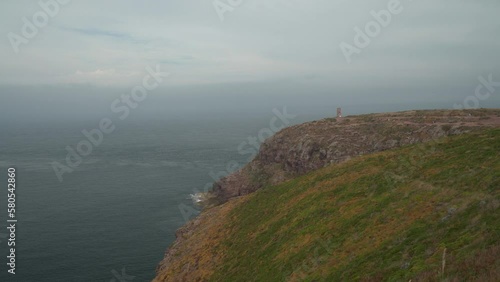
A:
x: 431, y: 46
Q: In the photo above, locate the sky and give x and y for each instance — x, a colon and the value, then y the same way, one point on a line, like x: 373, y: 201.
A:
x: 427, y: 49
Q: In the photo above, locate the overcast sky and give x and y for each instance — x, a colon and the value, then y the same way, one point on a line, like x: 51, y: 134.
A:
x: 430, y: 47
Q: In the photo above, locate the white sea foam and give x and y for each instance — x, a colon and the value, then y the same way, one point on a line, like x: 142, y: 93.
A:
x: 198, y: 197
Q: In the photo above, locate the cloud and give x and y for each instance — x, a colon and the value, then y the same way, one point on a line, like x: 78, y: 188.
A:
x: 260, y: 40
x: 106, y: 77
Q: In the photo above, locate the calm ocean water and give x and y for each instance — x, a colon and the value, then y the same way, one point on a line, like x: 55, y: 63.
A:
x: 119, y: 209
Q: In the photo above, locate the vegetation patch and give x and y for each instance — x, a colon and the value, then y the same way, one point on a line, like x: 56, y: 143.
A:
x: 359, y: 221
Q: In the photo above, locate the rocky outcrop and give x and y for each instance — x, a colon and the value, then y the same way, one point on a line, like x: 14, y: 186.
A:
x: 306, y: 147
x: 300, y: 149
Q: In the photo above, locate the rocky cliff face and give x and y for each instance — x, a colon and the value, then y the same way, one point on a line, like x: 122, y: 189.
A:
x: 303, y: 148
x: 306, y: 147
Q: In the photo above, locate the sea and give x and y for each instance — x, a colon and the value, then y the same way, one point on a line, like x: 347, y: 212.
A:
x: 114, y: 215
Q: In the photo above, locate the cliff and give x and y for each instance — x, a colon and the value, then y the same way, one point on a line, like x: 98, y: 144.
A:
x: 300, y: 149
x: 330, y: 213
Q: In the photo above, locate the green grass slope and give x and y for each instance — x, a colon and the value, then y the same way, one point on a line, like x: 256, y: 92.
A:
x: 393, y: 216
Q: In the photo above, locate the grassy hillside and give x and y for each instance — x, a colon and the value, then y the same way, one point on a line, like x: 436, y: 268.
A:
x: 393, y: 216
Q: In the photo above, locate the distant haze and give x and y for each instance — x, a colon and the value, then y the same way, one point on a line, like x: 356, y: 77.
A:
x: 264, y: 53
